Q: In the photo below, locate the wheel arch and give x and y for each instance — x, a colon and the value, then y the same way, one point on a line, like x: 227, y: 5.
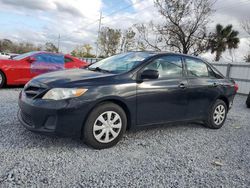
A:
x: 225, y: 99
x: 116, y: 101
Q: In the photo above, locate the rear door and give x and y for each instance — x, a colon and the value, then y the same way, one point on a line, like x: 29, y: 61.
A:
x: 163, y: 99
x: 203, y: 87
x: 46, y: 62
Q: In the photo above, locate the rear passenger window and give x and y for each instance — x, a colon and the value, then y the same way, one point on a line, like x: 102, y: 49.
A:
x: 168, y: 66
x: 197, y: 68
x: 50, y: 58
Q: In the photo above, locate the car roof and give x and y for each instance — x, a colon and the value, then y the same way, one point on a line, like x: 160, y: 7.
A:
x: 45, y: 52
x: 169, y: 53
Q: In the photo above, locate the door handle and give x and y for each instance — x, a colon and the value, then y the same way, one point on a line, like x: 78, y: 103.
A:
x: 215, y: 84
x: 182, y: 86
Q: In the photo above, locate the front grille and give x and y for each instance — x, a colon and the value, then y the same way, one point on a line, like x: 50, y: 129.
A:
x: 33, y: 91
x: 27, y: 118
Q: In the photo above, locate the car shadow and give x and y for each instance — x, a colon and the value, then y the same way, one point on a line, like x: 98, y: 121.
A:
x: 25, y: 139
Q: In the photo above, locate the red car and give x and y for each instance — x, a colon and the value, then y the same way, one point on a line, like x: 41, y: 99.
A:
x: 22, y: 68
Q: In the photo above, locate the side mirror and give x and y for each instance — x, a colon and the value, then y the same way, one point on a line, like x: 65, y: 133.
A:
x: 150, y: 74
x: 31, y: 59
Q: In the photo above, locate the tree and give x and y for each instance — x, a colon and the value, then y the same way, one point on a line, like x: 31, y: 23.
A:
x: 23, y: 47
x: 246, y: 26
x: 222, y: 39
x: 5, y: 45
x: 78, y: 52
x: 74, y: 53
x: 50, y: 47
x: 109, y: 40
x: 184, y: 25
x: 148, y: 37
x: 127, y: 40
x: 83, y: 51
x: 87, y: 48
x: 247, y: 58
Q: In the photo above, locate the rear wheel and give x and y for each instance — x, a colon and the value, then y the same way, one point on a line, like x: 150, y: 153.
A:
x: 217, y: 115
x: 105, y: 126
x: 2, y: 79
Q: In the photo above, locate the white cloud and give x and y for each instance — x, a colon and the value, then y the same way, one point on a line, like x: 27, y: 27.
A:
x: 76, y: 20
x: 67, y: 18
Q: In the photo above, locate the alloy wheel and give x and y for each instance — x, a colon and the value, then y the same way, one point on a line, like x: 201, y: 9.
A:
x: 107, y: 126
x: 219, y: 114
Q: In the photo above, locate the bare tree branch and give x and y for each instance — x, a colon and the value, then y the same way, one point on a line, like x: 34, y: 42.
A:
x: 246, y: 26
x: 185, y: 23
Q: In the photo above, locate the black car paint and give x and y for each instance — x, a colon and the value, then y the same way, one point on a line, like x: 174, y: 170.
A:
x: 145, y: 102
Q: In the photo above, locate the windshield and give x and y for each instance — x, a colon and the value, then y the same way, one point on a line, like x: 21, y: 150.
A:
x: 122, y: 62
x: 22, y: 56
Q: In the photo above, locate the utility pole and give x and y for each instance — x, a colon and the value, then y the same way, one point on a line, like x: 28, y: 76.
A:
x: 58, y: 43
x: 97, y: 46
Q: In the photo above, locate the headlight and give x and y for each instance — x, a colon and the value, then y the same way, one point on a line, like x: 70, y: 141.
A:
x: 64, y: 93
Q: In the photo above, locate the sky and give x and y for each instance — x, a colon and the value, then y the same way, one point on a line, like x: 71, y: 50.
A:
x: 76, y: 21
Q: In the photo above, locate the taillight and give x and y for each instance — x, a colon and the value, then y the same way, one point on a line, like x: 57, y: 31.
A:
x: 236, y: 87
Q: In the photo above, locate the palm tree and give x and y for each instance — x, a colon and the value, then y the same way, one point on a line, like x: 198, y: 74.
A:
x: 247, y: 58
x: 222, y: 39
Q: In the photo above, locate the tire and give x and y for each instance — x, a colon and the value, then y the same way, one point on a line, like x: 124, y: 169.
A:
x: 217, y: 115
x: 2, y: 79
x: 100, y: 133
x: 248, y: 101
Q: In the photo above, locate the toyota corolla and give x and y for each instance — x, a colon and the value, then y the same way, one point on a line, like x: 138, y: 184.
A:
x: 135, y: 89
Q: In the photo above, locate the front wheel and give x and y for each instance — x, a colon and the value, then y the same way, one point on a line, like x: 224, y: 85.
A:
x: 105, y: 126
x: 2, y: 79
x: 217, y: 115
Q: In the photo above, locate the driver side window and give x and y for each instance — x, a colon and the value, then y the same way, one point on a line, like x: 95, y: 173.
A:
x: 167, y: 66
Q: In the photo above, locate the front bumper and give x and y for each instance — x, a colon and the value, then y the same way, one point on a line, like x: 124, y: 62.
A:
x: 63, y: 118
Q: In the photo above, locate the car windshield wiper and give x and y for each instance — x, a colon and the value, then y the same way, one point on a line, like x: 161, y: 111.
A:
x: 98, y: 69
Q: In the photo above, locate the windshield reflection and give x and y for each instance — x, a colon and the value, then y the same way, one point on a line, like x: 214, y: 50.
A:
x: 122, y: 62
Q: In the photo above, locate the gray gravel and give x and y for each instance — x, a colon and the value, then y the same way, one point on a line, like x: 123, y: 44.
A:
x: 168, y: 156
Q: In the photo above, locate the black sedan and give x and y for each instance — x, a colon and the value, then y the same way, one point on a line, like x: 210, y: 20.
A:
x: 135, y: 89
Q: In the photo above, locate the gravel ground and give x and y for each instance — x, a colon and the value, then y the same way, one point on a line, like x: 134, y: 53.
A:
x: 167, y: 156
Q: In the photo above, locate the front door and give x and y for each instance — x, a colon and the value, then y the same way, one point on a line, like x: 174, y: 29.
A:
x: 21, y: 71
x: 163, y: 99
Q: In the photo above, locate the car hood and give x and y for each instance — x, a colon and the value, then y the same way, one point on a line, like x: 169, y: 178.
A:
x: 71, y: 78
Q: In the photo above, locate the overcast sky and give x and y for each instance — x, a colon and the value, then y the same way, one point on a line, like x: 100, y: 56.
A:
x: 41, y: 21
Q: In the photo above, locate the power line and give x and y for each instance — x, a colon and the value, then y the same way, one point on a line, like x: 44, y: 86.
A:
x: 124, y: 8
